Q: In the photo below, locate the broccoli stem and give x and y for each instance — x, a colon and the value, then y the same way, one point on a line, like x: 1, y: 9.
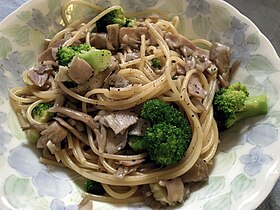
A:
x: 254, y: 105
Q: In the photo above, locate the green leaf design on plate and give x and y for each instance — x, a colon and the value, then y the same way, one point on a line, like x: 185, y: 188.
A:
x: 37, y: 40
x: 274, y: 118
x: 213, y: 36
x: 215, y: 185
x: 5, y: 47
x: 253, y: 40
x: 257, y: 88
x: 25, y: 16
x: 20, y: 194
x: 18, y: 191
x: 241, y: 185
x: 259, y: 65
x: 22, y: 36
x: 250, y: 82
x: 220, y: 202
x: 10, y: 30
x: 80, y: 12
x: 27, y: 58
x: 2, y: 160
x: 223, y: 162
x: 170, y: 8
x: 220, y: 18
x: 53, y: 4
x: 201, y: 25
x: 14, y: 126
x: 271, y: 92
x: 182, y: 26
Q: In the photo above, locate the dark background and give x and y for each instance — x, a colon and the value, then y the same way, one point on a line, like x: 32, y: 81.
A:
x: 266, y: 16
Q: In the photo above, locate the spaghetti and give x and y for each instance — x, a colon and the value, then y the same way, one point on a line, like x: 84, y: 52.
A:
x: 123, y: 176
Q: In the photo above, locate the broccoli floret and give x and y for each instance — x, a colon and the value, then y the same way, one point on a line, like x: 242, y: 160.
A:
x: 130, y: 22
x: 155, y: 63
x: 99, y: 60
x: 41, y: 114
x: 94, y: 187
x: 233, y: 103
x: 114, y: 17
x: 169, y: 133
x: 166, y: 144
x: 65, y: 54
x: 157, y: 111
x: 137, y: 143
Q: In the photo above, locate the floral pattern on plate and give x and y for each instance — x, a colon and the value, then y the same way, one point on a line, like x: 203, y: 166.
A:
x: 248, y: 154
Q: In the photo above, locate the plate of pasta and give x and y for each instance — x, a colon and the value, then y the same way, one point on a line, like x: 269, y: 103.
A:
x: 145, y: 104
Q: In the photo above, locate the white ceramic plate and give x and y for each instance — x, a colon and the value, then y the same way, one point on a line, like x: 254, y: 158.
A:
x: 247, y: 164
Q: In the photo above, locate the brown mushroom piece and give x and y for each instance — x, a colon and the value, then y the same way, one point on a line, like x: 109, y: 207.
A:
x: 199, y: 172
x: 99, y: 40
x: 76, y: 115
x: 39, y: 74
x: 54, y: 133
x: 79, y: 70
x: 118, y: 121
x: 219, y: 54
x: 132, y: 36
x: 112, y: 38
x: 184, y: 45
x: 115, y: 142
x: 195, y: 88
x: 46, y: 55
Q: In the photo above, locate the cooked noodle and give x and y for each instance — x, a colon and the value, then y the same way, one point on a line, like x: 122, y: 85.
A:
x: 83, y: 154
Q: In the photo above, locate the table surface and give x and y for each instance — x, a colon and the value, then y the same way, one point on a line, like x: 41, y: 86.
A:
x: 265, y: 14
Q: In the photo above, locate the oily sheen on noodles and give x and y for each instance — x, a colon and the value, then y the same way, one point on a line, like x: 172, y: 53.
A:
x: 95, y: 109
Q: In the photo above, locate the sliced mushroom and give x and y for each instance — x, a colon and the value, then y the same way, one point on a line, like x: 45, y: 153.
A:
x: 115, y: 142
x: 219, y: 54
x: 184, y: 45
x: 39, y: 74
x: 132, y: 36
x: 54, y: 133
x: 195, y: 88
x: 118, y: 121
x: 199, y: 172
x: 112, y: 39
x: 99, y: 40
x: 62, y: 74
x: 79, y: 70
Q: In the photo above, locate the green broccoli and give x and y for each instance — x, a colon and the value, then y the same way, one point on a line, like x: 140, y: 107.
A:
x: 94, y: 187
x: 130, y: 22
x: 233, y: 103
x: 99, y: 60
x: 65, y: 54
x: 166, y: 144
x: 155, y: 63
x: 137, y: 143
x: 169, y: 134
x: 157, y: 111
x: 114, y: 17
x: 41, y: 114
